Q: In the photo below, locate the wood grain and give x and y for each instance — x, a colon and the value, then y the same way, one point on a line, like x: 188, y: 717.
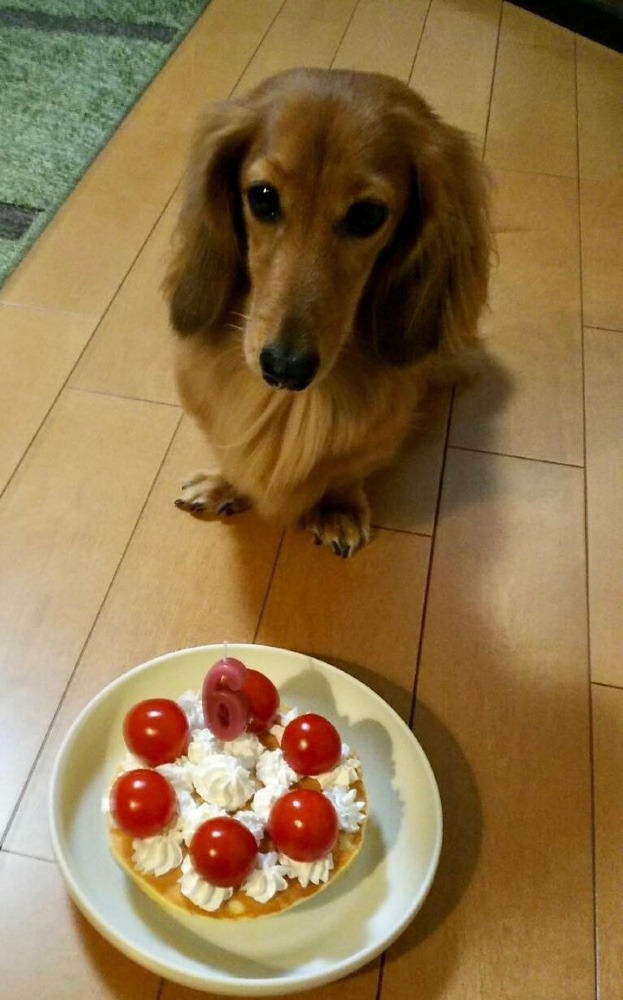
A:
x: 604, y: 500
x: 64, y: 523
x: 38, y: 351
x: 183, y: 581
x: 504, y: 716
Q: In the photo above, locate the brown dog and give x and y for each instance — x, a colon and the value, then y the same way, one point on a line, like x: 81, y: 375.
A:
x: 333, y: 249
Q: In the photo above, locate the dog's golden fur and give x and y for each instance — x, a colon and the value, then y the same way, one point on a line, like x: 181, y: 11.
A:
x: 380, y: 313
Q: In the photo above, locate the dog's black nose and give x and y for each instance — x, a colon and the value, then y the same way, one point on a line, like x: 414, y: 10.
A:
x: 286, y: 368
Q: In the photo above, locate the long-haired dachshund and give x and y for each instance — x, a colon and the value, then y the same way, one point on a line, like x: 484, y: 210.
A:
x: 332, y: 250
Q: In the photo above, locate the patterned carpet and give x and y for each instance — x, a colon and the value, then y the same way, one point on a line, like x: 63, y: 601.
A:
x: 70, y: 70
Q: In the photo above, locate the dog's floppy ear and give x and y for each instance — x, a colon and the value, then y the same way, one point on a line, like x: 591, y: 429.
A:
x: 429, y: 285
x: 208, y: 257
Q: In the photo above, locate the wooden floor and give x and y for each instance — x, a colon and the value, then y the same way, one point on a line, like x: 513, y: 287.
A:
x: 494, y: 583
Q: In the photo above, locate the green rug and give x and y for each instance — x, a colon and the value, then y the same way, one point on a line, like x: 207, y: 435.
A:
x: 70, y: 70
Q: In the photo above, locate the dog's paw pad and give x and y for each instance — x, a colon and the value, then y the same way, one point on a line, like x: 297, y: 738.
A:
x: 209, y: 494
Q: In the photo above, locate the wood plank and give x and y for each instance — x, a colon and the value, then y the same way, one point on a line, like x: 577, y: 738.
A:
x: 455, y: 61
x: 345, y: 610
x: 38, y: 351
x: 65, y: 520
x: 362, y: 615
x: 383, y: 37
x: 305, y: 33
x: 604, y: 500
x: 608, y: 767
x: 360, y: 986
x: 532, y: 125
x: 600, y: 140
x: 503, y: 713
x: 531, y: 404
x: 183, y: 582
x: 404, y: 495
x: 519, y: 25
x: 130, y: 353
x: 49, y: 950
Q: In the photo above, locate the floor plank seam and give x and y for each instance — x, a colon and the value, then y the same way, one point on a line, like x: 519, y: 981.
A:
x: 354, y: 10
x: 429, y: 568
x: 607, y: 684
x: 269, y: 585
x: 493, y: 73
x: 402, y: 531
x: 10, y: 851
x: 604, y: 329
x: 419, y: 41
x: 233, y: 89
x: 65, y: 384
x: 121, y: 395
x: 522, y: 458
x: 90, y: 631
x: 531, y: 173
x: 27, y: 306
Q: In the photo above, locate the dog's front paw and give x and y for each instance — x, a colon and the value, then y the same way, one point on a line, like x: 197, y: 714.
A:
x: 209, y: 493
x: 342, y: 523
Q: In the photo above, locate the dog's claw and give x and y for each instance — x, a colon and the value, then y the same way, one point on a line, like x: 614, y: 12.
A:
x: 341, y: 549
x: 343, y: 525
x: 204, y: 493
x: 227, y: 508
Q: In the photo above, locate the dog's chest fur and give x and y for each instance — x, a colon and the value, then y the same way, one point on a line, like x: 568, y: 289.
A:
x: 269, y: 443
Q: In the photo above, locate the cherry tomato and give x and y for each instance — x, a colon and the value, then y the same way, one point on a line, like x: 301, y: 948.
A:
x: 311, y: 744
x: 223, y: 851
x: 157, y: 731
x: 225, y: 708
x: 142, y: 802
x: 303, y: 825
x: 263, y: 699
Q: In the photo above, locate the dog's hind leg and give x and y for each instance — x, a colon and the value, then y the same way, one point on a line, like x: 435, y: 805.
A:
x: 208, y: 493
x: 340, y: 520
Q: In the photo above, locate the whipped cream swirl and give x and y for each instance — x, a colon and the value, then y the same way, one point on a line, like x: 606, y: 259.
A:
x: 158, y: 855
x: 264, y: 799
x: 278, y: 728
x: 201, y: 893
x: 179, y: 775
x: 246, y: 748
x: 191, y: 704
x: 350, y: 810
x: 223, y: 781
x: 346, y: 772
x: 202, y: 745
x: 252, y: 822
x: 194, y: 816
x: 308, y: 871
x: 272, y: 769
x: 267, y: 879
x: 130, y: 762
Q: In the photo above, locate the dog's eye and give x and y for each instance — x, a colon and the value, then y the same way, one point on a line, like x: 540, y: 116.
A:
x: 364, y: 218
x: 264, y: 201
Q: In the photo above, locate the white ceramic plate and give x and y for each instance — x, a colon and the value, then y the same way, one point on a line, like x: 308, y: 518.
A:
x: 333, y: 934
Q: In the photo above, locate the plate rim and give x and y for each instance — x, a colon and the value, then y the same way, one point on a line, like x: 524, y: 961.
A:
x: 252, y: 986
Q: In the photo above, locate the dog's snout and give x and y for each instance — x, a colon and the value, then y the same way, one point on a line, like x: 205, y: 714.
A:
x: 284, y: 367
